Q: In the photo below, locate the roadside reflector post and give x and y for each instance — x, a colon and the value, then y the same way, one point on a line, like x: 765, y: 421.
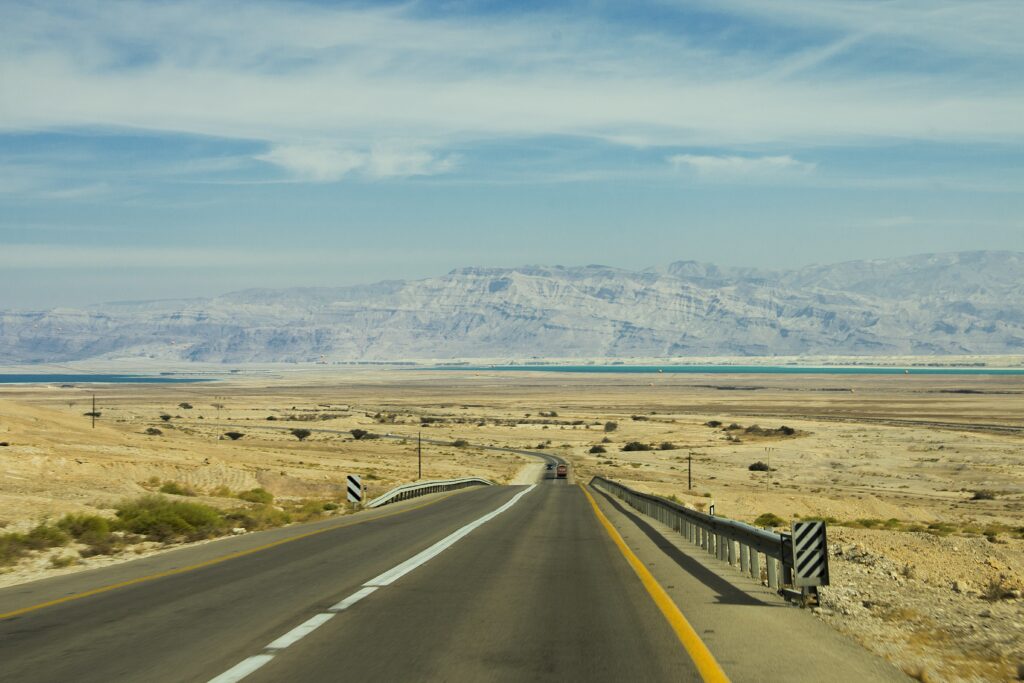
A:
x: 809, y: 555
x: 354, y: 488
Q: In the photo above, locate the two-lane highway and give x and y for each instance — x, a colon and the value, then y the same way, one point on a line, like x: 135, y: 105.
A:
x: 536, y: 592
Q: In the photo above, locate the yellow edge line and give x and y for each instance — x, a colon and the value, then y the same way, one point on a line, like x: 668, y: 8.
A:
x: 208, y: 563
x: 707, y: 666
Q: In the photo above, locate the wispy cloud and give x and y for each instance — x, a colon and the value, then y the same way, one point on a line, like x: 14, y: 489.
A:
x: 734, y: 167
x: 356, y: 76
x: 314, y: 163
x: 320, y: 163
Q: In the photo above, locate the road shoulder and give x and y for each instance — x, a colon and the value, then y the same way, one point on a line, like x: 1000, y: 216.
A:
x: 753, y: 633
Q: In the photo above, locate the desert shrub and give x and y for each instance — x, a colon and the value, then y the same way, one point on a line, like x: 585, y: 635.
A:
x: 176, y: 489
x: 222, y: 491
x: 666, y: 446
x: 984, y: 495
x: 259, y: 495
x: 162, y: 519
x: 45, y: 536
x: 185, y: 406
x: 234, y: 436
x: 637, y: 446
x: 61, y: 561
x: 165, y: 417
x: 542, y: 445
x: 548, y: 413
x: 996, y: 590
x: 733, y: 427
x: 788, y: 431
x: 4, y: 444
x: 309, y: 509
x: 769, y: 519
x: 153, y: 431
x: 606, y: 440
x: 92, y: 413
x: 301, y: 434
x: 358, y: 434
x: 758, y: 466
x: 611, y: 426
x: 85, y: 528
x: 713, y: 424
x: 639, y: 418
x: 460, y: 443
x: 271, y: 418
x: 598, y: 449
x: 262, y: 517
x: 331, y: 506
x: 12, y: 548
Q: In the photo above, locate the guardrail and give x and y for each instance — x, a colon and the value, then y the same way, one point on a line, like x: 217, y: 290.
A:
x: 422, y: 488
x: 728, y: 540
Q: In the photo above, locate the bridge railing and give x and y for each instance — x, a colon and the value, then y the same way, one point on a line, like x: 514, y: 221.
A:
x: 422, y: 488
x: 728, y: 540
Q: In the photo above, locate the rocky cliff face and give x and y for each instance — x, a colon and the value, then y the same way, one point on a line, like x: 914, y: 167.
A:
x: 969, y: 302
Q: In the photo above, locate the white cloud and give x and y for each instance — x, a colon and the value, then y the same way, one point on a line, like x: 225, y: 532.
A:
x: 320, y: 163
x: 316, y: 163
x: 739, y: 167
x: 354, y: 79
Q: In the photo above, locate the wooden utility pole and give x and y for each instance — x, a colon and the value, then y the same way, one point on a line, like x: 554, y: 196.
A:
x: 419, y: 453
x: 689, y: 470
x: 94, y: 411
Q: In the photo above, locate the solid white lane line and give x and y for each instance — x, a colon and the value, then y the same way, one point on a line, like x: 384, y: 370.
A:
x: 247, y: 666
x: 353, y: 599
x: 301, y: 631
x: 242, y: 669
x: 395, y: 573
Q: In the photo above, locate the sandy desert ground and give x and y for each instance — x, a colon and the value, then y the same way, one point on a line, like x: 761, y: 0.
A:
x: 919, y: 476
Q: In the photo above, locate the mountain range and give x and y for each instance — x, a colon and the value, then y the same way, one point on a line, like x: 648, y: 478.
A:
x: 933, y: 304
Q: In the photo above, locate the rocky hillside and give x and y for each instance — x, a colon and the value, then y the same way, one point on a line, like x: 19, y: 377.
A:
x: 963, y: 303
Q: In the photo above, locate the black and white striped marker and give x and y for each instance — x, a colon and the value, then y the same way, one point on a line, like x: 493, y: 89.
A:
x: 355, y: 489
x: 810, y: 554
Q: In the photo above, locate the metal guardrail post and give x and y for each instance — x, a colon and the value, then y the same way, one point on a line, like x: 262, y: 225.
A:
x: 744, y: 559
x: 731, y: 547
x: 755, y: 568
x: 773, y: 573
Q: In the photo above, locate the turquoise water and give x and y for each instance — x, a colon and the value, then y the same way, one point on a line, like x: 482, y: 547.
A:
x: 739, y: 369
x: 94, y: 379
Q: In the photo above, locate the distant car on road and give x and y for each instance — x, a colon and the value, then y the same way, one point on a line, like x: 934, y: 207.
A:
x: 550, y: 466
x: 562, y: 472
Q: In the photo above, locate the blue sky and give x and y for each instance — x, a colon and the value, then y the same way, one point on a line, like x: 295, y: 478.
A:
x: 165, y: 149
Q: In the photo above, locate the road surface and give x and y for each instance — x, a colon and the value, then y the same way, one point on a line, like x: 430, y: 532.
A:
x: 486, y: 584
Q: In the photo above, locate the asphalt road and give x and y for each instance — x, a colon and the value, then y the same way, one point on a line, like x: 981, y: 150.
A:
x: 539, y: 592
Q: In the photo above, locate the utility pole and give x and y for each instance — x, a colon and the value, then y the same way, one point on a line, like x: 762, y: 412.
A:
x: 419, y: 453
x: 94, y: 411
x: 689, y: 470
x: 768, y: 482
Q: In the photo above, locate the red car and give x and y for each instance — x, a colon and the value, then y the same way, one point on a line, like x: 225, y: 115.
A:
x: 562, y: 472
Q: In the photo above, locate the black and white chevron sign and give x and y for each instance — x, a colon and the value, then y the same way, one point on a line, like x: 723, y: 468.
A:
x: 355, y: 489
x: 810, y: 554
